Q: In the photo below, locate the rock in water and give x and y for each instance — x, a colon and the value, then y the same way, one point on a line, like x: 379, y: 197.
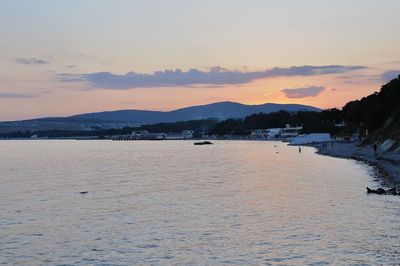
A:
x: 379, y: 191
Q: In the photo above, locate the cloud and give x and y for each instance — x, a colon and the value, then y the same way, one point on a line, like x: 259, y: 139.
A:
x: 389, y: 75
x: 214, y: 77
x: 303, y: 92
x: 31, y: 61
x: 354, y: 76
x: 359, y: 78
x: 16, y: 95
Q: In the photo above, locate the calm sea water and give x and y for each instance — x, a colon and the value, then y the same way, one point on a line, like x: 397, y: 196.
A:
x: 175, y: 203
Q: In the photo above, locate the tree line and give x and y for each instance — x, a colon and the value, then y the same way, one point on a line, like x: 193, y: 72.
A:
x: 375, y: 117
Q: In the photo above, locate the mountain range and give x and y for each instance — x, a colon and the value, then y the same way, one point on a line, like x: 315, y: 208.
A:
x: 122, y: 118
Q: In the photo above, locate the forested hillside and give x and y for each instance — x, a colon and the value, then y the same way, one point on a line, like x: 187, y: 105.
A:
x: 378, y: 114
x: 375, y: 117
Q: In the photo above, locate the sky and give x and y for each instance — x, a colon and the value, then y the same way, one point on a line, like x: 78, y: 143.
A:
x: 65, y: 57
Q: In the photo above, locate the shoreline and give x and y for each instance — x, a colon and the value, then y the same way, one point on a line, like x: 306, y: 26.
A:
x: 386, y: 164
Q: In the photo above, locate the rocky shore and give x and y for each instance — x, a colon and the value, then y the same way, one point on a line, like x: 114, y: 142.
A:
x: 387, y: 162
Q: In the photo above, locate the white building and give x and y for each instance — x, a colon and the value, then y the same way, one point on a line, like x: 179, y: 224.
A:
x: 311, y: 138
x: 187, y: 134
x: 271, y: 133
x: 274, y: 132
x: 290, y: 132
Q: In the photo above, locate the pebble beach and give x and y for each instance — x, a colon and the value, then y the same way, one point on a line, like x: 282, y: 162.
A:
x: 387, y: 163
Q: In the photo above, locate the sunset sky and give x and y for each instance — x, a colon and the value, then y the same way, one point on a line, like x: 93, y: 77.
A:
x: 60, y: 58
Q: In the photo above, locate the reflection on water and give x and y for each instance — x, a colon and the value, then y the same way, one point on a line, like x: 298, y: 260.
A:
x: 175, y: 203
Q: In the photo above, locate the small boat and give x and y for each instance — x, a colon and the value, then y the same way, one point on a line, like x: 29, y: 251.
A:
x: 203, y: 143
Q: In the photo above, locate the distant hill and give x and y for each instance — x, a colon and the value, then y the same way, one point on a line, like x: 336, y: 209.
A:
x: 221, y: 110
x: 121, y: 118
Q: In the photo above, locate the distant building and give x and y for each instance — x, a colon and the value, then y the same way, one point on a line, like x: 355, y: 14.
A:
x: 187, y: 134
x: 139, y: 134
x: 273, y: 133
x: 145, y: 135
x: 290, y: 132
x: 259, y: 134
x: 173, y: 136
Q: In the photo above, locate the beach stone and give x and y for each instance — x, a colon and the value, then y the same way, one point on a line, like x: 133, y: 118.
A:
x: 391, y: 191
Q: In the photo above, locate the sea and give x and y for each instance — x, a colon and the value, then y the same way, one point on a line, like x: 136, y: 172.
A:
x: 175, y: 203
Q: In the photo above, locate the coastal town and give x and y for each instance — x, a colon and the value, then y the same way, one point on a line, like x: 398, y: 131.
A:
x: 200, y: 132
x: 288, y: 133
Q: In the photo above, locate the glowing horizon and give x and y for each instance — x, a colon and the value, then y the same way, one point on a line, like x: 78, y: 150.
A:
x: 61, y: 58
